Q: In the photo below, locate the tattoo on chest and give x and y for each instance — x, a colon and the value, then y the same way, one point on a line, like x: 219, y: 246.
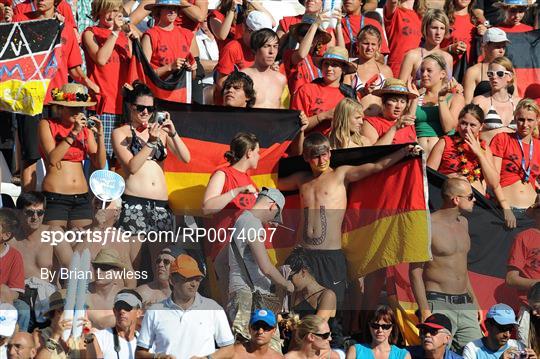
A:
x: 315, y: 240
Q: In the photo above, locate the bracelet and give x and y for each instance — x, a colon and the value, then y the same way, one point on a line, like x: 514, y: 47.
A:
x: 115, y: 33
x: 173, y: 135
x: 231, y: 192
x: 151, y: 145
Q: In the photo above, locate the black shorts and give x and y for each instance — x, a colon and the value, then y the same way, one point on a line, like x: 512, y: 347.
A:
x: 27, y: 130
x: 330, y: 270
x: 67, y: 207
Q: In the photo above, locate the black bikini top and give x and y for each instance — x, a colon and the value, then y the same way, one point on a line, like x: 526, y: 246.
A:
x: 158, y: 154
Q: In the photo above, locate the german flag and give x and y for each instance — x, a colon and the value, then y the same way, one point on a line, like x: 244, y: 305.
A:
x: 28, y: 62
x: 524, y: 52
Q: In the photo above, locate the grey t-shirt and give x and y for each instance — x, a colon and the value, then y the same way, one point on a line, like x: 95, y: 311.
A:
x: 248, y: 228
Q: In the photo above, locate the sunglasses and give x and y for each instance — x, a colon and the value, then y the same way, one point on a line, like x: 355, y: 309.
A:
x: 164, y: 260
x: 377, y: 326
x: 500, y: 74
x: 124, y: 306
x: 503, y: 328
x: 431, y: 331
x: 469, y: 197
x: 259, y: 325
x: 32, y: 212
x: 105, y: 267
x: 323, y: 335
x: 141, y: 108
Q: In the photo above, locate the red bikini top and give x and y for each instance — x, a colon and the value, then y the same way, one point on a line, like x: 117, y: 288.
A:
x: 76, y: 152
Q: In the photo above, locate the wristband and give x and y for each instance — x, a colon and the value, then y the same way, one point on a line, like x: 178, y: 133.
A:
x: 115, y: 33
x: 232, y: 194
x: 151, y: 145
x: 173, y: 135
x: 51, y: 344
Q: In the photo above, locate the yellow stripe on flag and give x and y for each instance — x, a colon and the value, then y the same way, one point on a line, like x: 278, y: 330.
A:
x: 23, y: 96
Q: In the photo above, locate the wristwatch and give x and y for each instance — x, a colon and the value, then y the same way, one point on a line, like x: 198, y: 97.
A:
x: 51, y: 344
x: 89, y: 339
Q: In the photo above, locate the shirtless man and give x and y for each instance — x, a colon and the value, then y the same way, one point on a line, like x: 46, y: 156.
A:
x: 269, y: 83
x: 442, y: 285
x: 262, y: 326
x: 104, y: 222
x: 158, y: 289
x: 323, y: 196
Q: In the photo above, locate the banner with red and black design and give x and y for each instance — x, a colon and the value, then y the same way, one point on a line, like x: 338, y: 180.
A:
x: 524, y: 52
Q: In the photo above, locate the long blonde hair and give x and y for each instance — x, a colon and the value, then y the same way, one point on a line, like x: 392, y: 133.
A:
x: 308, y: 324
x: 341, y: 136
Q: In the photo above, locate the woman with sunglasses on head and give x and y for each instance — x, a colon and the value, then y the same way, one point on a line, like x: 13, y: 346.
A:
x: 516, y: 157
x: 383, y: 333
x: 140, y: 147
x: 499, y: 103
x: 370, y: 74
x: 312, y: 336
x: 65, y: 142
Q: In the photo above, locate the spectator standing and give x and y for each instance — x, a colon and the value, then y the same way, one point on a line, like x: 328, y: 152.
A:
x: 312, y: 7
x: 462, y: 31
x: 436, y: 335
x: 262, y: 326
x: 514, y: 11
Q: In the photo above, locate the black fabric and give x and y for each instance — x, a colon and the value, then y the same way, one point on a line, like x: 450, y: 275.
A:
x: 67, y: 207
x: 27, y: 129
x: 330, y: 270
x: 158, y: 154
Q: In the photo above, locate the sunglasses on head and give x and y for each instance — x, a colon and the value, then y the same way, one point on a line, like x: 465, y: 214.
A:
x: 377, y: 326
x: 261, y: 325
x: 500, y: 74
x: 141, y: 108
x: 105, y: 267
x: 32, y: 212
x: 164, y: 260
x: 323, y: 335
x: 431, y: 331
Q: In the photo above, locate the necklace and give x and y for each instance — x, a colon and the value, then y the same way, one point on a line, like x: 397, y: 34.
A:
x: 467, y: 167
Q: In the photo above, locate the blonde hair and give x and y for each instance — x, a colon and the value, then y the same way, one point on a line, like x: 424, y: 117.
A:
x: 309, y: 324
x: 341, y: 135
x: 506, y: 63
x: 528, y: 105
x: 102, y: 6
x: 435, y: 15
x: 438, y: 58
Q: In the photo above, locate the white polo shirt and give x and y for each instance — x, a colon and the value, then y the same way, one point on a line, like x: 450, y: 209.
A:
x: 167, y: 328
x: 105, y: 339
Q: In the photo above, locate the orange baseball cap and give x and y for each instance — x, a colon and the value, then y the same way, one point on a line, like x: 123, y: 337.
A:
x: 186, y: 266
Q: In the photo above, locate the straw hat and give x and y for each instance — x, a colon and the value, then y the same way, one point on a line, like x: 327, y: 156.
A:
x: 396, y: 87
x: 511, y: 3
x: 339, y: 54
x: 71, y: 95
x: 303, y: 27
x: 108, y: 256
x: 177, y: 3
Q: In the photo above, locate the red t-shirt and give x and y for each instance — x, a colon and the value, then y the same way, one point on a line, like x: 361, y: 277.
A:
x: 234, y: 54
x: 12, y: 269
x: 506, y: 146
x: 356, y: 23
x: 314, y: 98
x: 462, y: 30
x: 450, y: 159
x: 113, y: 75
x: 287, y: 21
x: 184, y: 21
x: 168, y: 45
x: 382, y: 125
x: 24, y: 11
x: 404, y: 32
x: 517, y: 28
x: 302, y: 73
x: 77, y: 151
x: 235, y: 33
x: 525, y: 257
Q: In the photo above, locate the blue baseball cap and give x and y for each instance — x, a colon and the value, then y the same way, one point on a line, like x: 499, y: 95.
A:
x: 502, y: 314
x: 263, y: 315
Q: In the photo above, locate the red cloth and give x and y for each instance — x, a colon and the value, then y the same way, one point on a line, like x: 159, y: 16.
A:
x: 12, y: 269
x: 234, y: 54
x: 404, y: 32
x: 235, y: 33
x: 462, y: 30
x: 450, y: 161
x: 24, y: 11
x: 299, y: 74
x: 287, y: 21
x: 184, y: 21
x: 382, y: 125
x: 525, y: 257
x: 111, y: 77
x: 506, y: 146
x: 517, y: 28
x: 77, y: 151
x: 169, y: 45
x: 314, y: 98
x: 356, y: 21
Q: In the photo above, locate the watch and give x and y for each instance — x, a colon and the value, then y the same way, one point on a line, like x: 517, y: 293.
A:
x: 89, y: 339
x: 51, y: 344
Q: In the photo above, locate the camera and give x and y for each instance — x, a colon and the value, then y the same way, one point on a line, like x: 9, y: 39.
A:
x: 126, y: 20
x: 90, y: 123
x: 159, y: 117
x: 522, y: 354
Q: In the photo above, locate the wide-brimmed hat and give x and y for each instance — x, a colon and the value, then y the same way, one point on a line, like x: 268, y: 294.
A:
x: 108, y: 256
x: 57, y: 300
x: 71, y: 95
x: 303, y: 27
x: 394, y: 87
x: 511, y: 3
x: 177, y: 3
x: 339, y: 54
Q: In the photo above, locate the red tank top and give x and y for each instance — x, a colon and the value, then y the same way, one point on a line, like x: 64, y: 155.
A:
x: 77, y: 152
x: 382, y: 125
x: 458, y: 158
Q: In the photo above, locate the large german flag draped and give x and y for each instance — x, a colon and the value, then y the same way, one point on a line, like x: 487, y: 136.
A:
x: 524, y: 51
x: 386, y: 221
x: 176, y: 88
x: 27, y: 63
x: 490, y: 246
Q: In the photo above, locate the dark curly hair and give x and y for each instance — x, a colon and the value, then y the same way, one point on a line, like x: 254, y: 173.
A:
x: 237, y: 77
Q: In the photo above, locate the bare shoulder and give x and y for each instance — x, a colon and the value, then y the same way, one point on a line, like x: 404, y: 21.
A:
x: 122, y: 130
x: 386, y: 70
x: 473, y: 70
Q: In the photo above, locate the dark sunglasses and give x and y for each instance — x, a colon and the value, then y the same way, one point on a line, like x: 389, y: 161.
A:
x: 164, y: 260
x: 469, y: 197
x: 499, y: 74
x: 141, y: 108
x: 503, y: 328
x: 377, y: 326
x: 431, y: 331
x: 124, y: 306
x: 105, y: 267
x: 259, y: 325
x: 291, y: 275
x: 32, y: 212
x: 323, y: 335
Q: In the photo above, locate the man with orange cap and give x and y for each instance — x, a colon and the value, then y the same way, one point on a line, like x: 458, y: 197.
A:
x: 186, y: 324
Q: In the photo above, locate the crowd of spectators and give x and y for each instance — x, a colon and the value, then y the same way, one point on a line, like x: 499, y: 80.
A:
x: 356, y: 79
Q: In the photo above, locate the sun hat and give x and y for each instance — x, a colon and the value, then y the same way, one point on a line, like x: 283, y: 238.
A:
x: 339, y: 54
x: 161, y: 3
x: 511, y: 3
x: 108, y: 256
x: 301, y: 28
x: 494, y: 34
x: 395, y: 87
x: 186, y: 266
x: 71, y: 95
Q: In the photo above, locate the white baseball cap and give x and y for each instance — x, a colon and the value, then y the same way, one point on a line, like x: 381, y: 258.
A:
x: 494, y: 34
x: 257, y: 20
x: 8, y: 319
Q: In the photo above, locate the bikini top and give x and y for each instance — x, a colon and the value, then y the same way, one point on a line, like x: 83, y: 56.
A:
x: 78, y: 150
x: 158, y: 154
x: 493, y: 120
x: 357, y: 84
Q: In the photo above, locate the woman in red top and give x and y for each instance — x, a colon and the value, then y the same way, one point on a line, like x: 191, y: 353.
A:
x: 393, y: 126
x: 107, y: 52
x: 514, y: 11
x: 517, y: 158
x: 462, y: 30
x: 65, y: 142
x: 168, y: 47
x: 312, y: 7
